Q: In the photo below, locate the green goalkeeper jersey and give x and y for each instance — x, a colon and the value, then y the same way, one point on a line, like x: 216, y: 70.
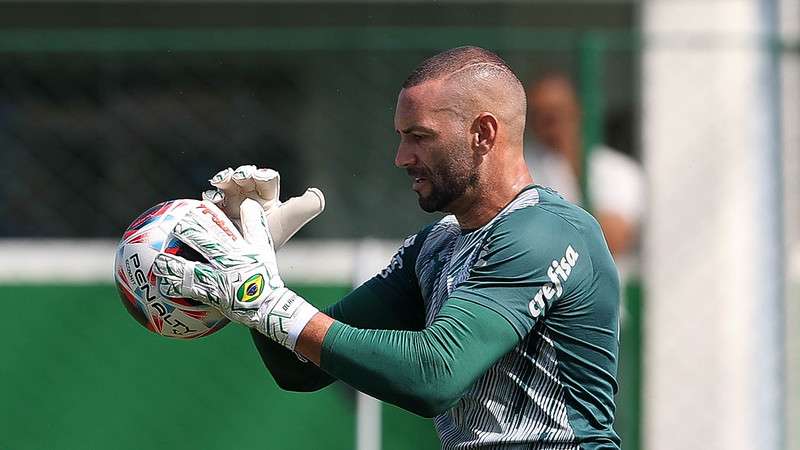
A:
x: 507, y: 335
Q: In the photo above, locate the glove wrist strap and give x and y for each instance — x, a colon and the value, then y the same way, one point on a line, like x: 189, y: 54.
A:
x: 285, y: 318
x: 304, y: 314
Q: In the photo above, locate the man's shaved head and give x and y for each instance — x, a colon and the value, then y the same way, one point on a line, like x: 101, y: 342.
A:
x: 479, y: 81
x: 450, y: 61
x: 461, y: 117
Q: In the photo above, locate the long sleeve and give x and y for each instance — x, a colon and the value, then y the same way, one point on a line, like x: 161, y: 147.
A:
x: 424, y: 371
x: 391, y: 300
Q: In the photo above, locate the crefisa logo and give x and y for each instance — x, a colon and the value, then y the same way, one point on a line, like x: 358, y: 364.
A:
x: 557, y: 272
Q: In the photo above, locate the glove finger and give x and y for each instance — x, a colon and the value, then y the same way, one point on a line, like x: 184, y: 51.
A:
x: 207, y: 230
x: 231, y: 197
x: 254, y: 225
x: 169, y: 270
x: 214, y: 196
x: 293, y: 214
x: 268, y: 186
x: 256, y: 230
x: 243, y: 177
x: 218, y: 198
x: 206, y: 285
x: 222, y: 179
x: 179, y: 278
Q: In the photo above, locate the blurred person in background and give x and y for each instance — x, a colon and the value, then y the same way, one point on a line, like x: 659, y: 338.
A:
x: 615, y: 181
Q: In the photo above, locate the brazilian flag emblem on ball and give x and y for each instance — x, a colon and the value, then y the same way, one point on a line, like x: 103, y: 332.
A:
x: 251, y: 288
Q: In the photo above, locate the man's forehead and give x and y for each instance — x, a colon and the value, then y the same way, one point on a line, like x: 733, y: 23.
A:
x: 421, y: 96
x: 424, y: 101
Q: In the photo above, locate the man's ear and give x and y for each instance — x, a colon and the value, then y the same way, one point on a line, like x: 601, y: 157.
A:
x: 484, y: 132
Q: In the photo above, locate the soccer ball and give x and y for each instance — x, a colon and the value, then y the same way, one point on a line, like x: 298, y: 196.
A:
x: 148, y: 235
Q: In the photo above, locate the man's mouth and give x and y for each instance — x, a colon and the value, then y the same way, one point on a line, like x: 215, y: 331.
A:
x: 417, y: 178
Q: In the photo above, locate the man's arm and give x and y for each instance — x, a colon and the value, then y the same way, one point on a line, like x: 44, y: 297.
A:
x: 390, y: 300
x: 525, y: 270
x: 374, y: 304
x: 425, y: 371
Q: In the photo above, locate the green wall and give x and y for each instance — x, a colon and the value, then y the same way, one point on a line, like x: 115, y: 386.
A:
x: 78, y: 373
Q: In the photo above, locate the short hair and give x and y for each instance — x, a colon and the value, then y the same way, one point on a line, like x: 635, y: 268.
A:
x: 483, y: 80
x: 451, y: 61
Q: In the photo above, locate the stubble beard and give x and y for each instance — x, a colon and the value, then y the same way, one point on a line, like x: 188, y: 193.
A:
x: 455, y: 173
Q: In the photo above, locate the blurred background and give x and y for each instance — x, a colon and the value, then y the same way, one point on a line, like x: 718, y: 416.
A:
x: 676, y: 122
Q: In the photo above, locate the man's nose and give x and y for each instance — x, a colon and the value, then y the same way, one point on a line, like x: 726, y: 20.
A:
x: 404, y: 157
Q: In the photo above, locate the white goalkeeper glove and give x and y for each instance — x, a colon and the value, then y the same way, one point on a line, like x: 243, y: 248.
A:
x: 242, y: 278
x: 263, y: 186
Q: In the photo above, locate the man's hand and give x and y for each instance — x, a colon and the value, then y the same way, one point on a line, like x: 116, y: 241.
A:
x: 263, y: 186
x: 242, y: 278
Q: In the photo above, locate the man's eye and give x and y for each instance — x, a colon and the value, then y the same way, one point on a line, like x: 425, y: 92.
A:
x: 418, y: 137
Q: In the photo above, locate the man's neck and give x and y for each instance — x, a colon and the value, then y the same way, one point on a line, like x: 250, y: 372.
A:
x: 480, y: 206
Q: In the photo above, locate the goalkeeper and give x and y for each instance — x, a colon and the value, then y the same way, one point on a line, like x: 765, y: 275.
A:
x: 499, y: 321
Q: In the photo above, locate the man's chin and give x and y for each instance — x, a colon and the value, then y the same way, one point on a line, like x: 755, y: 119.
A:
x: 427, y: 203
x: 431, y: 203
x: 429, y: 208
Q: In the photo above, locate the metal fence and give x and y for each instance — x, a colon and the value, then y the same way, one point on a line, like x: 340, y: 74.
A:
x: 96, y: 125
